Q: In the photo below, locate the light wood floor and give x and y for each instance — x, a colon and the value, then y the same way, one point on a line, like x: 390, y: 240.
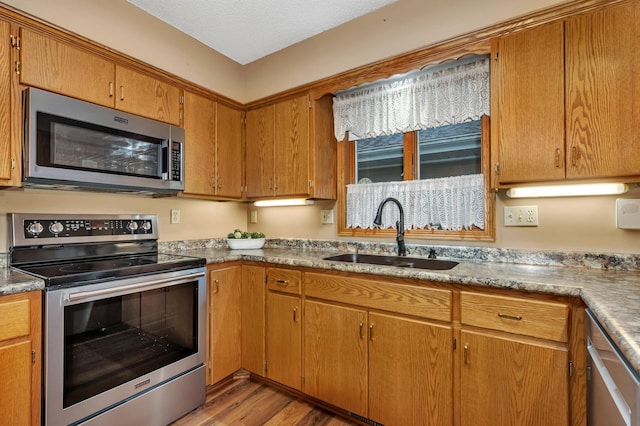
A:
x: 246, y: 403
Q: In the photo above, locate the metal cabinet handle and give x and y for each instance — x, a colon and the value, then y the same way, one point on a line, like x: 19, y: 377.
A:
x: 574, y: 155
x: 512, y: 317
x: 122, y: 93
x: 111, y: 89
x: 466, y: 354
x: 371, y: 332
x: 361, y: 330
x: 216, y: 285
x: 282, y: 283
x: 558, y: 158
x: 220, y: 182
x: 295, y: 314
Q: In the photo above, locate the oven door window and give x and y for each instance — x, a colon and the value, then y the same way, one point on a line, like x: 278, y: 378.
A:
x: 75, y: 145
x: 111, y: 341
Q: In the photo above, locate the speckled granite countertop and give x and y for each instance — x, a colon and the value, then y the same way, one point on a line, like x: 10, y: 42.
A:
x: 612, y: 293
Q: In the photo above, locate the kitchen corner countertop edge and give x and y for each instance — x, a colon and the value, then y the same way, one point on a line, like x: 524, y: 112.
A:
x: 613, y: 296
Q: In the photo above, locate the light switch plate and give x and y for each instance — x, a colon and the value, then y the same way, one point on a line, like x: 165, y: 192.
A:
x: 326, y: 216
x: 521, y: 216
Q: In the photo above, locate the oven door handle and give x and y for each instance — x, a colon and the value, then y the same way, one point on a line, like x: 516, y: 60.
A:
x: 148, y: 285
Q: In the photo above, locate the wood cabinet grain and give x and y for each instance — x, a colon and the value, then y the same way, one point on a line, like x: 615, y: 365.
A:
x: 565, y: 99
x: 224, y: 324
x: 20, y: 358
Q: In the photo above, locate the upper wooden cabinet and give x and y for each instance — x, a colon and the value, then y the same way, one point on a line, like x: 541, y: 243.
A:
x: 57, y: 66
x: 145, y: 95
x: 10, y: 148
x: 529, y: 104
x: 603, y: 93
x: 566, y: 100
x: 213, y: 148
x: 291, y: 150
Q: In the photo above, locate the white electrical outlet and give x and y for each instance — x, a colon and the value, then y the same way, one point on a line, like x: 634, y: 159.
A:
x: 175, y: 216
x: 253, y: 217
x: 326, y: 216
x: 521, y: 216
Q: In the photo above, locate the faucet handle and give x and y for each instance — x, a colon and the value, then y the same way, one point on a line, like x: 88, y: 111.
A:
x: 432, y: 254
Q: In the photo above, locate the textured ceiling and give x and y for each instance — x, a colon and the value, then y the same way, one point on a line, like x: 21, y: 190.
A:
x: 246, y: 30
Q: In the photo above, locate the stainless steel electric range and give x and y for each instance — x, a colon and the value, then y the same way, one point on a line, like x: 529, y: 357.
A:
x: 123, y: 325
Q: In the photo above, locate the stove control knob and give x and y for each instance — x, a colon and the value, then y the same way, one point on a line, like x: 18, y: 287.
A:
x: 56, y: 228
x: 146, y: 226
x: 132, y: 226
x: 35, y: 228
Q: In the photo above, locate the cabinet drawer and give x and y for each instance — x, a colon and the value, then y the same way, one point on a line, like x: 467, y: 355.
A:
x: 284, y: 280
x: 14, y: 319
x: 536, y: 318
x: 400, y: 298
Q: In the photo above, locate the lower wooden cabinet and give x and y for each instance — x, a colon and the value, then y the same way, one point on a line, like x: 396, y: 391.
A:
x: 335, y: 355
x: 20, y: 358
x: 390, y: 369
x: 399, y: 351
x: 253, y: 319
x: 410, y: 371
x: 515, y: 361
x: 284, y: 339
x: 223, y: 351
x: 509, y: 382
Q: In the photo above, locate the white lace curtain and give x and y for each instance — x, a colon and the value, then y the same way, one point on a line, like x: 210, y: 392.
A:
x: 452, y: 203
x: 424, y: 99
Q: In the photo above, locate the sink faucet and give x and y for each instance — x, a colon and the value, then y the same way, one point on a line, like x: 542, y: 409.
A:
x: 402, y: 251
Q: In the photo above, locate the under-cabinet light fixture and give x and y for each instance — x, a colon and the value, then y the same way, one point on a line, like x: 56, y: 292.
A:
x: 283, y: 202
x: 574, y: 190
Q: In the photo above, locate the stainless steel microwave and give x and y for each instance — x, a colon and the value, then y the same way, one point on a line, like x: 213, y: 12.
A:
x: 72, y: 144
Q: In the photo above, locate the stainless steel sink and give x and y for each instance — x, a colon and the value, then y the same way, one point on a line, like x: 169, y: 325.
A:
x: 400, y: 261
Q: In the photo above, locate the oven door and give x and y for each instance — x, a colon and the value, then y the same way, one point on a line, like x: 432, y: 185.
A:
x: 115, y: 341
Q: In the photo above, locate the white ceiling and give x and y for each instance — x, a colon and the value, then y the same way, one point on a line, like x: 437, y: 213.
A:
x: 246, y: 30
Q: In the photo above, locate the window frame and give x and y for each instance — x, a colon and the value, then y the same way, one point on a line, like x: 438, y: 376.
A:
x: 346, y: 172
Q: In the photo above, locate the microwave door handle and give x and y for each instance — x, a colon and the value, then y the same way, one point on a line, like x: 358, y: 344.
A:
x: 165, y: 164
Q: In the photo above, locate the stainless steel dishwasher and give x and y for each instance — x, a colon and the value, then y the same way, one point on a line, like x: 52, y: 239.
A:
x: 613, y: 387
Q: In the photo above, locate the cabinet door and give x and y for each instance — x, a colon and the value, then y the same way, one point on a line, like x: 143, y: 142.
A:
x: 229, y: 152
x: 20, y: 358
x: 259, y: 155
x: 144, y: 95
x: 15, y: 372
x: 253, y: 319
x: 530, y: 115
x: 508, y: 382
x: 603, y: 93
x: 410, y: 372
x: 335, y: 355
x: 199, y: 150
x: 224, y: 324
x: 292, y: 147
x: 8, y: 155
x: 58, y: 67
x: 284, y: 340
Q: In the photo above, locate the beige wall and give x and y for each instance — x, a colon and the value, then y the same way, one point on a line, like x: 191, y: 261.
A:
x: 586, y: 223
x: 400, y: 27
x: 199, y: 219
